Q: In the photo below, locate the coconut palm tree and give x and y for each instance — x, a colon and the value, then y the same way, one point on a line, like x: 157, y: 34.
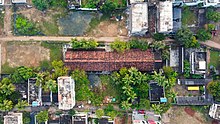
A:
x: 6, y: 105
x: 39, y: 79
x: 50, y: 85
x: 21, y: 104
x: 6, y: 87
x: 157, y: 108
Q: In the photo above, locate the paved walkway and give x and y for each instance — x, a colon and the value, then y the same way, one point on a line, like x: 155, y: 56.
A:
x: 212, y: 44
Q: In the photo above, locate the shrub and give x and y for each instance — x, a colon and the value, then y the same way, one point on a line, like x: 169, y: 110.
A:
x: 159, y: 36
x: 120, y: 46
x: 204, y: 35
x: 84, y: 44
x: 186, y: 69
x: 41, y: 4
x: 213, y: 15
x: 25, y: 27
x: 138, y: 44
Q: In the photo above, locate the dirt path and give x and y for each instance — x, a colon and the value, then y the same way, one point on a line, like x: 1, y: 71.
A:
x: 211, y: 44
x: 7, y: 21
x: 54, y: 38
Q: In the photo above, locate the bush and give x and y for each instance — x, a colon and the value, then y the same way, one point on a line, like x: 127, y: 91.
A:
x: 204, y: 35
x: 25, y: 27
x: 108, y: 7
x: 41, y: 4
x: 120, y: 46
x: 138, y: 44
x: 186, y: 69
x: 84, y: 44
x: 159, y: 36
x: 213, y: 15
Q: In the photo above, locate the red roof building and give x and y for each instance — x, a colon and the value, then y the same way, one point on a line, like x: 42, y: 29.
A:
x: 100, y: 60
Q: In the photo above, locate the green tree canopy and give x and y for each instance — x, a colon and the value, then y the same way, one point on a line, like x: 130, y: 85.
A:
x: 42, y: 116
x: 159, y: 37
x: 108, y: 7
x: 157, y: 108
x: 41, y: 4
x: 25, y: 27
x: 81, y: 85
x: 22, y: 74
x: 185, y: 37
x: 204, y: 35
x: 99, y: 113
x: 213, y: 15
x: 6, y: 87
x: 120, y: 46
x: 59, y: 69
x: 138, y: 44
x: 21, y: 104
x: 6, y: 105
x: 213, y: 88
x: 84, y: 44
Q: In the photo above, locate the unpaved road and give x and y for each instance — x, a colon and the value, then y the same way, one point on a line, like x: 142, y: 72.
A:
x: 54, y: 38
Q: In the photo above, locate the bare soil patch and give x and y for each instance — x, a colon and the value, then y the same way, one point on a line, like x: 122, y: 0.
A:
x: 110, y: 29
x: 25, y: 54
x: 184, y: 115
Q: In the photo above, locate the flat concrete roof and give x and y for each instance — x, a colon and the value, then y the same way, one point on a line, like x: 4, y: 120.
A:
x: 19, y: 1
x: 136, y: 1
x: 165, y: 23
x: 13, y: 118
x: 1, y: 2
x: 66, y: 92
x: 139, y: 18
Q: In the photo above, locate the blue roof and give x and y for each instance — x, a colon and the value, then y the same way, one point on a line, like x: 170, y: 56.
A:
x: 163, y: 99
x: 34, y: 103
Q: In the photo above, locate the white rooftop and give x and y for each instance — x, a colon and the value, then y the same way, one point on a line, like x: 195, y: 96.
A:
x: 1, y: 2
x: 19, y: 1
x: 66, y: 93
x: 202, y: 65
x: 139, y: 18
x: 136, y: 1
x: 13, y: 118
x: 165, y: 22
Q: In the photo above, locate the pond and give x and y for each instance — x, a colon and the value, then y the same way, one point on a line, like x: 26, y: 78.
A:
x: 76, y: 23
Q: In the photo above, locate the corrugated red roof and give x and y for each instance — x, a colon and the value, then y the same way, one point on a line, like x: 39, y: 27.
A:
x: 100, y: 60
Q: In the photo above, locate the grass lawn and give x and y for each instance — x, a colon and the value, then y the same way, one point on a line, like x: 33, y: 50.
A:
x: 188, y: 17
x: 6, y: 69
x: 50, y: 28
x: 214, y: 58
x: 2, y: 19
x: 55, y: 49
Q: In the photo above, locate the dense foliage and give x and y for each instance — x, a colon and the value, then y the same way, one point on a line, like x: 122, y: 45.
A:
x: 22, y: 74
x: 81, y: 85
x: 213, y: 15
x: 185, y: 37
x: 186, y: 69
x: 204, y: 35
x: 119, y: 46
x: 42, y: 116
x: 108, y: 7
x: 45, y: 4
x: 159, y: 37
x: 213, y: 88
x: 84, y: 44
x: 24, y: 27
x: 138, y: 44
x: 131, y: 84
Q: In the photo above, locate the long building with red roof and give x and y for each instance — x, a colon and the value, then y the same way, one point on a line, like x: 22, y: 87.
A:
x: 100, y: 60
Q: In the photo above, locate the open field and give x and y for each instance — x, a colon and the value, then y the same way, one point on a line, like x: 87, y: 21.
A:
x: 184, y: 115
x: 188, y: 16
x: 214, y: 58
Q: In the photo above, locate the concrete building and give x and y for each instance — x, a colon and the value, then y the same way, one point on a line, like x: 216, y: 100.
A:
x: 19, y: 1
x: 208, y: 3
x: 165, y: 17
x: 80, y: 118
x: 66, y: 92
x: 1, y: 2
x: 138, y: 19
x: 13, y: 118
x: 135, y: 1
x: 145, y: 117
x: 214, y: 111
